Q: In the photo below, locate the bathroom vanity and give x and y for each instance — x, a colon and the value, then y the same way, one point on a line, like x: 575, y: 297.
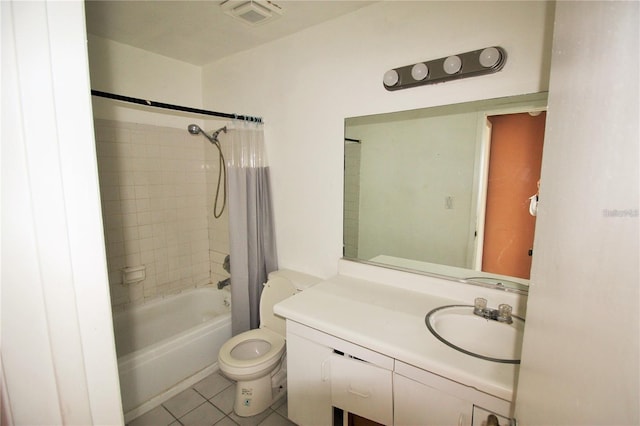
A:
x: 359, y: 342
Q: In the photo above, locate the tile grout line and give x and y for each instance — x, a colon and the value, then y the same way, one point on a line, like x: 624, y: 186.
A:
x: 170, y: 413
x: 206, y: 400
x: 226, y: 416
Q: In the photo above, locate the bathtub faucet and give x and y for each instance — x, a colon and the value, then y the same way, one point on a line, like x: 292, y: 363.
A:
x: 224, y: 283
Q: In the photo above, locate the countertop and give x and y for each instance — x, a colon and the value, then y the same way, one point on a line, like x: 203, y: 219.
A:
x: 390, y: 321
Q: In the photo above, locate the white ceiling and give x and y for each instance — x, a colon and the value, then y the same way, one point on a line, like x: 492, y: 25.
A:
x: 198, y: 31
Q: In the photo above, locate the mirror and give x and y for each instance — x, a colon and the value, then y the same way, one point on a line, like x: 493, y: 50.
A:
x: 447, y: 190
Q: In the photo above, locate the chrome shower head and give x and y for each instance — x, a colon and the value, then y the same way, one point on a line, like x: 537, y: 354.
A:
x: 194, y: 129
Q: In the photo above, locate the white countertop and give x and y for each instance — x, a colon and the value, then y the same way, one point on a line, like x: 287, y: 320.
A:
x: 390, y: 321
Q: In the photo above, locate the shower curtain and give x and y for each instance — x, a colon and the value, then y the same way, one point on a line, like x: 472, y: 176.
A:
x: 251, y: 229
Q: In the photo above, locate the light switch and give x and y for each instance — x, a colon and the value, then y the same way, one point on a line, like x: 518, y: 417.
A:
x: 448, y: 202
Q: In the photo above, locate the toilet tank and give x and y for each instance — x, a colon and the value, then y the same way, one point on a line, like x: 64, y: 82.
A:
x: 299, y: 280
x: 281, y: 284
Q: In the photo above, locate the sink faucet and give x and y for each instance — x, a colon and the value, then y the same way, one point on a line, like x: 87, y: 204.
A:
x: 502, y: 314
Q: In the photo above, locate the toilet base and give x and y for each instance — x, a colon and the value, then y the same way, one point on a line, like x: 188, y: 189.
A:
x: 253, y: 396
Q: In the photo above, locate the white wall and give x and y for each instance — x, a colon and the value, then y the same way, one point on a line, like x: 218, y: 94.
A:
x: 305, y: 85
x: 58, y: 353
x: 580, y: 359
x: 129, y: 71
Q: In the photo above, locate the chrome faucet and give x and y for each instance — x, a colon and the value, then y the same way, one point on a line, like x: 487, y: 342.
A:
x: 502, y: 314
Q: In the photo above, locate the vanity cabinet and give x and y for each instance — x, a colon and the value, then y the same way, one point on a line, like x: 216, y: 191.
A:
x: 424, y: 398
x: 418, y: 404
x: 325, y: 371
x: 308, y: 384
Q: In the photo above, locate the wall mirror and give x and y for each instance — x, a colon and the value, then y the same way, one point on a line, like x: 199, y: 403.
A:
x: 446, y: 190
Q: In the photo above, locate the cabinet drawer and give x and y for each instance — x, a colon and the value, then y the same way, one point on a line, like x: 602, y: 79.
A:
x: 362, y: 388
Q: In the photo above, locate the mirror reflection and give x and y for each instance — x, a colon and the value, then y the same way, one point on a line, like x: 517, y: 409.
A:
x: 448, y: 190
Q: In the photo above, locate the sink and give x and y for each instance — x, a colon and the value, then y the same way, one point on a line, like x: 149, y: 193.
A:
x: 458, y: 327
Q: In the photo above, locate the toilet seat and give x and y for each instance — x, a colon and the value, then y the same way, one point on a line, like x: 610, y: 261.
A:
x: 253, y: 366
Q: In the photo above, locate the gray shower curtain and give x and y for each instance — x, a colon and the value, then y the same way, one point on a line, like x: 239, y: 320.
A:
x: 251, y: 229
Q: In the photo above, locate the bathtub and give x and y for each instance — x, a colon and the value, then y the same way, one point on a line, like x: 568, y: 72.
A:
x: 169, y: 344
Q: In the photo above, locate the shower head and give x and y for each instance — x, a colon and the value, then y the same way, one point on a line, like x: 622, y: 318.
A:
x: 194, y: 129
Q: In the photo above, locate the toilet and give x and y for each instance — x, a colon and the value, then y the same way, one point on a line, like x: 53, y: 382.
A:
x: 256, y: 359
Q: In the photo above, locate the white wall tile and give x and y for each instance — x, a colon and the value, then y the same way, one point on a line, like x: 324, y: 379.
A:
x: 127, y: 192
x: 156, y: 193
x: 144, y: 218
x: 129, y: 219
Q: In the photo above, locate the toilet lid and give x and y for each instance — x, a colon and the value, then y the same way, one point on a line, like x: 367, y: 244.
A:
x: 276, y: 341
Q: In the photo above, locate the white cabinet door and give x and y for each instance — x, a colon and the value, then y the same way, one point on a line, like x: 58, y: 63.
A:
x: 416, y: 404
x: 308, y: 382
x: 362, y: 388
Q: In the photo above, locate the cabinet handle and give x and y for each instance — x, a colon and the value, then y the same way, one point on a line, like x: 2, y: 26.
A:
x: 461, y: 419
x: 357, y: 393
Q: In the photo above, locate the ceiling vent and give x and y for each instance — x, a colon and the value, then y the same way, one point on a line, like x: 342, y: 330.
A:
x: 252, y: 12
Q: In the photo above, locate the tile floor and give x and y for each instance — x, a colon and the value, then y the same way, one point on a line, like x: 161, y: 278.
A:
x: 210, y: 402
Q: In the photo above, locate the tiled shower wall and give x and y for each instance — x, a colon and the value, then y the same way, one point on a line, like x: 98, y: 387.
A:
x: 351, y: 198
x: 218, y: 227
x: 157, y: 209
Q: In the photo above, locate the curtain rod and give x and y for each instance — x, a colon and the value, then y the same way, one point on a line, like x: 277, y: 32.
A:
x: 174, y: 107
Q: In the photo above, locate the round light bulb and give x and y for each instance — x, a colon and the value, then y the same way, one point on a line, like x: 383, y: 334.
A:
x: 489, y: 57
x: 452, y: 64
x: 390, y: 78
x: 419, y: 71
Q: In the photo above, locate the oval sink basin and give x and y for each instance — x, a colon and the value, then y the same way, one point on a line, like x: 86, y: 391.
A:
x: 458, y: 327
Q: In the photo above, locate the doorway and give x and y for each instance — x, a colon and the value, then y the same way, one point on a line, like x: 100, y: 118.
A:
x: 514, y: 171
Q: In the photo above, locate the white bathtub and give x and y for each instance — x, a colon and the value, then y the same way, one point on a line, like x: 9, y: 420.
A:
x: 167, y: 345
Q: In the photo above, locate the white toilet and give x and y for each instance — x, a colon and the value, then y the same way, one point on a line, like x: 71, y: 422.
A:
x: 256, y: 359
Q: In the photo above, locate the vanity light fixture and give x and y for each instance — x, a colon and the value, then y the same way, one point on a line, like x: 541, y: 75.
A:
x: 489, y: 57
x: 452, y: 64
x: 419, y: 71
x: 390, y: 78
x: 462, y: 65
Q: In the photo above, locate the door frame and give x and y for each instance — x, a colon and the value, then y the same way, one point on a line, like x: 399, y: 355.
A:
x: 483, y: 149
